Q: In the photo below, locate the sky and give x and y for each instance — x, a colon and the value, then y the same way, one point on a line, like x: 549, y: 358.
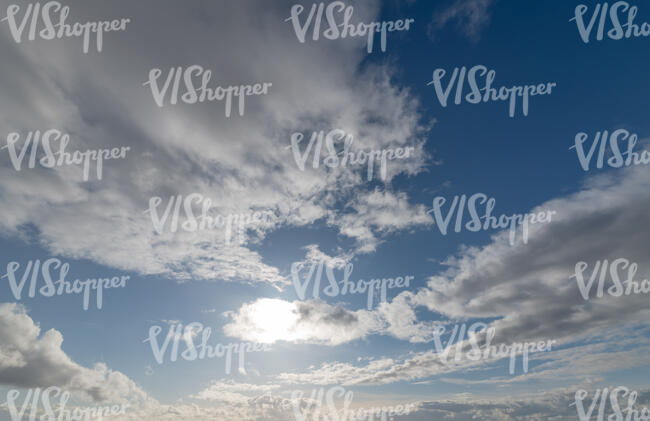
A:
x: 245, y: 285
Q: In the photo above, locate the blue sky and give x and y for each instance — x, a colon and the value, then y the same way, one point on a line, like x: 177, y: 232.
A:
x: 244, y: 292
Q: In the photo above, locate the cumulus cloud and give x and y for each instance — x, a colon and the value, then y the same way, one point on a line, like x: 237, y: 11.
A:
x: 30, y: 360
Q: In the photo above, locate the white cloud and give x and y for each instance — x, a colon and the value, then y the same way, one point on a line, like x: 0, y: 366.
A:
x: 241, y: 163
x: 29, y: 360
x: 377, y: 213
x: 231, y: 392
x: 270, y: 320
x: 521, y: 285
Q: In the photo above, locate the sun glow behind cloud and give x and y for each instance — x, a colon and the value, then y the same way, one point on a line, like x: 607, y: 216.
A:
x: 269, y: 320
x: 274, y: 320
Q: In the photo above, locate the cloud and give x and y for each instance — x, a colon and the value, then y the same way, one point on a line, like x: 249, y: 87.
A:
x: 231, y: 392
x: 266, y: 407
x: 315, y: 255
x: 30, y: 360
x: 240, y: 162
x: 471, y: 16
x: 520, y: 286
x: 606, y: 354
x: 268, y: 320
x: 377, y: 213
x: 548, y: 405
x: 243, y: 165
x: 601, y: 355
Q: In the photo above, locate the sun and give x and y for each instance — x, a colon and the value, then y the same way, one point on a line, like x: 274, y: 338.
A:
x: 274, y: 320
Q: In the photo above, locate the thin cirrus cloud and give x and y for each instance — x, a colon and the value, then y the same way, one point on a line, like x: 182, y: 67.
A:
x: 471, y: 17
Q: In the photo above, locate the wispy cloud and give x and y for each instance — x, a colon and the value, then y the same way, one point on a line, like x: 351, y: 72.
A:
x: 470, y: 16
